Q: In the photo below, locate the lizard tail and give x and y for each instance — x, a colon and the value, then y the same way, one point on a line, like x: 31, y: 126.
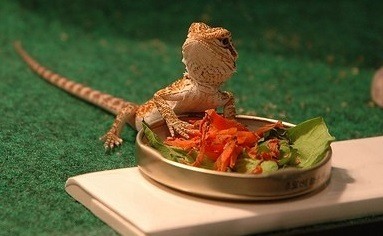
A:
x: 103, y: 100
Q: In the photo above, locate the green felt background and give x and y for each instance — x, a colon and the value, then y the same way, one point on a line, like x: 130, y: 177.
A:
x: 297, y: 60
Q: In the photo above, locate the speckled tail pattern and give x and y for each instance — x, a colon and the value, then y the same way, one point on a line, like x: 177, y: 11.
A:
x: 103, y: 100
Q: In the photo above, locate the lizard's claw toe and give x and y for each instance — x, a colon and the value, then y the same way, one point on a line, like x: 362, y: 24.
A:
x: 111, y: 140
x: 182, y: 128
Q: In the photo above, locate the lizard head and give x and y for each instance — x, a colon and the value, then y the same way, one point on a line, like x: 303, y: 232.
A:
x: 209, y: 54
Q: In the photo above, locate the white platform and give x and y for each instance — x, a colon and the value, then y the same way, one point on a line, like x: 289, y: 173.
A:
x: 131, y: 204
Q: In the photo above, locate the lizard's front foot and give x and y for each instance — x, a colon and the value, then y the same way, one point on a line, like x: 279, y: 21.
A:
x: 180, y: 127
x: 111, y: 140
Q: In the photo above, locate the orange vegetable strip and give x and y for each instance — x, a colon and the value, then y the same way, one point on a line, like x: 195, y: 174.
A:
x: 257, y: 170
x: 235, y: 155
x: 260, y: 132
x: 247, y: 138
x: 220, y: 123
x: 224, y: 159
x: 273, y: 145
x: 182, y: 143
x: 204, y: 128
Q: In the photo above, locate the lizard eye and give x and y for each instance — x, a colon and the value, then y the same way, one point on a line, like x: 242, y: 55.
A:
x: 225, y: 41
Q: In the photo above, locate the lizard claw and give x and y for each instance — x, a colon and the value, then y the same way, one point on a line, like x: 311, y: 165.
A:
x: 111, y: 140
x: 182, y: 128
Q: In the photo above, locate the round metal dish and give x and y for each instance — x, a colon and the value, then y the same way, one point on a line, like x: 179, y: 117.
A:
x: 282, y: 184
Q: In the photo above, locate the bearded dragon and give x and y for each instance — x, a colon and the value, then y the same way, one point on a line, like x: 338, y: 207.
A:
x: 210, y: 60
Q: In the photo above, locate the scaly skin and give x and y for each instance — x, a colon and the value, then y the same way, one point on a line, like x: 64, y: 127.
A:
x: 209, y: 57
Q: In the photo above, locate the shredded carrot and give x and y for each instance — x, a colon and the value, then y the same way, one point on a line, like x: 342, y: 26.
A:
x: 260, y: 132
x: 273, y: 152
x: 257, y: 170
x: 186, y: 144
x: 220, y: 123
x: 223, y: 140
x: 204, y: 128
x: 228, y: 156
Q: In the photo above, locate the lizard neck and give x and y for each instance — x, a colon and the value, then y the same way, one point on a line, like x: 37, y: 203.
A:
x: 210, y: 86
x: 209, y: 74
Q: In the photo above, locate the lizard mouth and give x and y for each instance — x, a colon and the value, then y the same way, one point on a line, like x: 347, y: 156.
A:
x: 233, y: 53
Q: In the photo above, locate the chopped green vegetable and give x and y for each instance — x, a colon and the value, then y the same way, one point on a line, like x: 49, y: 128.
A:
x: 246, y: 165
x: 269, y: 166
x: 288, y: 156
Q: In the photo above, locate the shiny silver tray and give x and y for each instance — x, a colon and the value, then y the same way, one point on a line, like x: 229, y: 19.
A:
x: 284, y: 183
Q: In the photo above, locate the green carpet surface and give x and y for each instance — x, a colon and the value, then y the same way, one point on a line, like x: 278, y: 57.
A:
x: 297, y: 60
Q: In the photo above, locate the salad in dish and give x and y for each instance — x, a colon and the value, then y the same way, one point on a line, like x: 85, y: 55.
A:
x: 226, y: 145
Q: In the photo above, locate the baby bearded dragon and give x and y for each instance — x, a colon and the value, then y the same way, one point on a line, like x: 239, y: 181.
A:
x: 209, y: 57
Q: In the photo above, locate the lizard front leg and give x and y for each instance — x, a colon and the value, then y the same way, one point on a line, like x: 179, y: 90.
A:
x: 174, y: 124
x: 112, y: 138
x: 229, y: 107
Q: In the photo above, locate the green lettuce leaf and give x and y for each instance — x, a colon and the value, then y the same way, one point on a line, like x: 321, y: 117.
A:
x: 312, y: 140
